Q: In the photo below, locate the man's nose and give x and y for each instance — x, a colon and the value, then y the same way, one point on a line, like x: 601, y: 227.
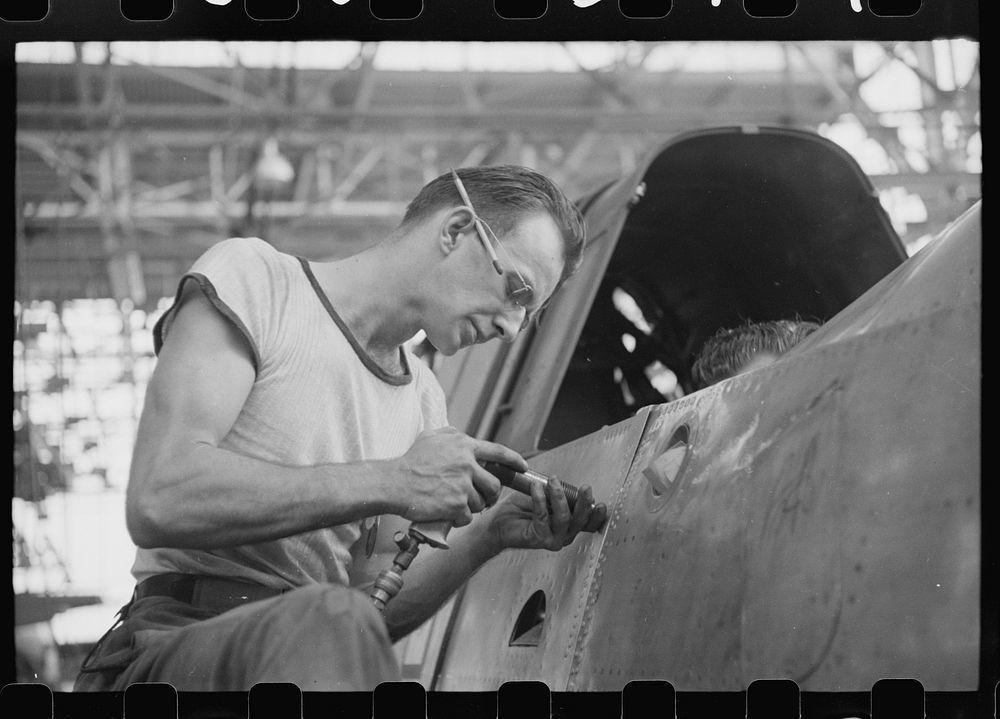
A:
x: 509, y: 323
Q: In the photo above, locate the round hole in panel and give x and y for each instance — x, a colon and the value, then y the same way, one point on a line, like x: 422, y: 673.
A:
x: 663, y: 474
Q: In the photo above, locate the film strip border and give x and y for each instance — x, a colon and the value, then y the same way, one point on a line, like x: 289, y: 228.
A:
x: 26, y: 20
x: 764, y: 699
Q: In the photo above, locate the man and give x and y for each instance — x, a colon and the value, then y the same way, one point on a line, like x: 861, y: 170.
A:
x: 735, y: 350
x: 285, y: 414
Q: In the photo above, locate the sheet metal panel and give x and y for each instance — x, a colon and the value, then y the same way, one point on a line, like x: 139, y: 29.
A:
x: 911, y: 532
x: 834, y: 544
x: 667, y: 597
x: 822, y: 523
x: 479, y: 657
x: 827, y: 525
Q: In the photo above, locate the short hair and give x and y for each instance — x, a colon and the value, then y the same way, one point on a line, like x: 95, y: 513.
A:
x: 502, y: 195
x: 724, y: 354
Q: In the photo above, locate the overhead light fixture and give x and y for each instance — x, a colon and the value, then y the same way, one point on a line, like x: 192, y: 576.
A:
x: 273, y: 169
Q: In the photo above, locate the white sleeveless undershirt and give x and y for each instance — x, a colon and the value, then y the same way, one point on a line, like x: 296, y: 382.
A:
x: 318, y: 398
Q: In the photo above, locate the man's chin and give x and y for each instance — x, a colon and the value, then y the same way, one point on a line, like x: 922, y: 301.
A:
x: 445, y: 349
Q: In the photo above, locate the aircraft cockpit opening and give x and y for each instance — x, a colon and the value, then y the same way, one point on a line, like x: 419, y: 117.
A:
x: 731, y: 226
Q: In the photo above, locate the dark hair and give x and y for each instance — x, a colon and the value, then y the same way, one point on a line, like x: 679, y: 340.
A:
x: 729, y: 349
x: 502, y: 195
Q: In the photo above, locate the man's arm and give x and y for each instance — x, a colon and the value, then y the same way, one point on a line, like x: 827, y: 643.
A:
x: 185, y: 491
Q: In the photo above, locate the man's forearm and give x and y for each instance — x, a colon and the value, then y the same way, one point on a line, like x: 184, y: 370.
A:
x: 212, y: 498
x: 436, y: 574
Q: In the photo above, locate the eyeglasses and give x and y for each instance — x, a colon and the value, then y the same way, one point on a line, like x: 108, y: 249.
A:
x: 519, y: 295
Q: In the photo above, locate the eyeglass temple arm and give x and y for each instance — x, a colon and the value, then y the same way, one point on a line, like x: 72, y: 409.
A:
x: 525, y: 287
x: 489, y: 247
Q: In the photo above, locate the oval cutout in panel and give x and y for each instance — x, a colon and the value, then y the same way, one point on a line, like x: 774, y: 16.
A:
x: 530, y: 622
x: 664, y: 473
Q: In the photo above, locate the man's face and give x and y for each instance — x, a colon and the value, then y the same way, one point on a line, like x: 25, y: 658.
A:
x: 478, y: 304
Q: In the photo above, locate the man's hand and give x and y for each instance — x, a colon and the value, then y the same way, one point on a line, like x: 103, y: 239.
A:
x: 524, y: 522
x: 440, y: 477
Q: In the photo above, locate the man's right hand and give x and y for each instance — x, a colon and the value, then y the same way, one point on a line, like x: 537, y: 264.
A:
x: 440, y: 477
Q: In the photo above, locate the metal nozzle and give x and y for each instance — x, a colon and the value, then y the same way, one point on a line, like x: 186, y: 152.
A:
x: 390, y: 581
x: 522, y: 481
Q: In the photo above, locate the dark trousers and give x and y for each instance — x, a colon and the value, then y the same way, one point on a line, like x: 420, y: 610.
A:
x: 323, y: 637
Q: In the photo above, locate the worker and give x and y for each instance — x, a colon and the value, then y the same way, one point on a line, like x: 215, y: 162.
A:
x: 286, y: 415
x: 752, y: 345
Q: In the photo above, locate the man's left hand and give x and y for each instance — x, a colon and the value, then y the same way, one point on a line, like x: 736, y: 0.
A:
x: 543, y: 520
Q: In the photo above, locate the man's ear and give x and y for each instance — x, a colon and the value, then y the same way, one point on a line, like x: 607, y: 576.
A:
x: 456, y: 224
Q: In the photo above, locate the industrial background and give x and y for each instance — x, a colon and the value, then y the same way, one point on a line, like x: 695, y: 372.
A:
x: 133, y: 158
